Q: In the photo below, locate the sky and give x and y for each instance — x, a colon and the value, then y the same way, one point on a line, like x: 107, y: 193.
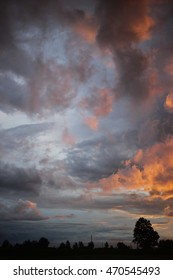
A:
x: 86, y: 119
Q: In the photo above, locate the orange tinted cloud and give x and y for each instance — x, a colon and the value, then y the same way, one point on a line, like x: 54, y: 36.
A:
x: 91, y: 122
x: 123, y: 25
x: 124, y: 22
x: 30, y: 204
x: 143, y: 28
x: 169, y: 102
x: 86, y: 28
x: 150, y: 171
x: 138, y: 156
x: 168, y: 211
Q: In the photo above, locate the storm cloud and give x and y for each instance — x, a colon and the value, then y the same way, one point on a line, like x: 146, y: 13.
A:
x: 17, y: 180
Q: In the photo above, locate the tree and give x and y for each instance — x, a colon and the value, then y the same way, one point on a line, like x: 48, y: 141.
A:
x: 6, y: 244
x: 166, y: 245
x: 91, y: 245
x: 106, y: 245
x: 75, y: 246
x: 62, y: 246
x: 121, y: 246
x: 81, y: 245
x: 43, y: 242
x: 144, y: 234
x: 68, y: 245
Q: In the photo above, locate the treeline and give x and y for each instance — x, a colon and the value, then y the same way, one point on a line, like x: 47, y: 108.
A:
x: 41, y: 250
x: 146, y: 240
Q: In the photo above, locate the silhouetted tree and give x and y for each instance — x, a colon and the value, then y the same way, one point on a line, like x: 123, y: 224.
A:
x: 144, y: 237
x: 28, y: 244
x: 91, y: 245
x: 166, y: 245
x: 81, y: 245
x: 121, y: 246
x: 75, y: 246
x: 6, y: 244
x: 106, y: 245
x: 43, y: 242
x: 68, y: 245
x: 62, y: 246
x: 144, y: 234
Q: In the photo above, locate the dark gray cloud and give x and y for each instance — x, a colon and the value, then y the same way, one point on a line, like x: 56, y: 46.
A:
x: 100, y: 157
x: 162, y: 42
x: 62, y: 231
x: 128, y: 23
x: 120, y: 18
x: 49, y: 88
x: 33, y: 13
x: 32, y: 78
x: 26, y: 130
x: 157, y: 127
x: 26, y: 210
x: 22, y: 211
x: 56, y: 233
x: 141, y: 205
x: 17, y: 181
x: 59, y: 232
x: 132, y: 203
x: 12, y: 95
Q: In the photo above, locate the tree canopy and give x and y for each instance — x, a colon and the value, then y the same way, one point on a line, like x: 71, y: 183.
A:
x: 144, y: 234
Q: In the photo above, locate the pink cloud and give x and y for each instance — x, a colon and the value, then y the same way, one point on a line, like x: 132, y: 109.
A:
x: 22, y: 210
x: 91, y: 122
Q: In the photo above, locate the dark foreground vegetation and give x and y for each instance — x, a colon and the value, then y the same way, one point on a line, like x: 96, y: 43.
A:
x: 145, y: 238
x: 41, y: 250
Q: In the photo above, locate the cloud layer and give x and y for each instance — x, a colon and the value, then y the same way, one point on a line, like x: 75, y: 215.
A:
x: 86, y: 112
